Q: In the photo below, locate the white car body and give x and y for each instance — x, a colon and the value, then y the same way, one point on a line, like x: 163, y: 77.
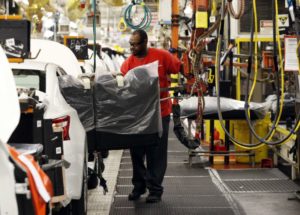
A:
x: 47, y: 51
x: 9, y: 119
x: 87, y: 65
x: 109, y: 62
x: 56, y: 107
x: 53, y: 52
x: 100, y: 64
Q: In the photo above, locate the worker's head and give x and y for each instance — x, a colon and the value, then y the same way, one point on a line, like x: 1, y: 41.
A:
x: 138, y: 43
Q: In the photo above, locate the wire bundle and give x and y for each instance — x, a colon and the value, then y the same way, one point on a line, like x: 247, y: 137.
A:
x: 128, y: 16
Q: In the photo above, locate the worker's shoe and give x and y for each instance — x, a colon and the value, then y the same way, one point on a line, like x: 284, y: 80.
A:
x: 135, y: 195
x: 151, y: 198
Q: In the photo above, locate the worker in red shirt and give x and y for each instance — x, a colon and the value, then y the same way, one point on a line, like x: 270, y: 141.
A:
x: 152, y: 176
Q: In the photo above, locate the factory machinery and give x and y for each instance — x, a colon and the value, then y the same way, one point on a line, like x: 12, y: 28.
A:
x: 238, y: 94
x: 226, y: 55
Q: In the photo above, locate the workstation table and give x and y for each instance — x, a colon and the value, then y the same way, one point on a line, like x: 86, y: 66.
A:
x: 227, y: 117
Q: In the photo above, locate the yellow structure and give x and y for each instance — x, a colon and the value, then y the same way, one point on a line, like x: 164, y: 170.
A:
x: 242, y: 133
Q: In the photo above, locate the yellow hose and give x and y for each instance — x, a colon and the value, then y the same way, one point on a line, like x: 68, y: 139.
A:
x: 255, y: 74
x: 281, y: 66
x: 298, y: 56
x: 255, y: 54
x: 217, y: 90
x: 214, y: 8
x: 256, y: 66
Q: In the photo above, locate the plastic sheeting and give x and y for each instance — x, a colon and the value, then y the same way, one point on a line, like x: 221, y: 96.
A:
x: 289, y: 102
x: 131, y: 109
x: 79, y: 98
x: 189, y: 106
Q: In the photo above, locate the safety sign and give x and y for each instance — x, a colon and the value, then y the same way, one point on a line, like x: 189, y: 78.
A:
x: 283, y: 20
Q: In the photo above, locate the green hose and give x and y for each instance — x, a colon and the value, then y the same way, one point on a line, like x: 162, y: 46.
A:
x: 146, y: 21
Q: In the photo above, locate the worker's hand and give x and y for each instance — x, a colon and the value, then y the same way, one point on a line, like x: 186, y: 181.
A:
x: 115, y: 73
x: 119, y: 77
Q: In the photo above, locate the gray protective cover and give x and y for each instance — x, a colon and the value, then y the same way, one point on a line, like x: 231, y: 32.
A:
x: 189, y: 106
x: 79, y: 98
x: 130, y: 109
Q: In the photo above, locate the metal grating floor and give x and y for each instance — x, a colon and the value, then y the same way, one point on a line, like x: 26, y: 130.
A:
x: 207, y: 189
x: 257, y: 180
x: 197, y: 190
x: 173, y: 211
x: 174, y: 169
x: 174, y: 181
x: 187, y: 201
x: 187, y: 189
x: 284, y: 186
x: 251, y: 174
x: 126, y: 154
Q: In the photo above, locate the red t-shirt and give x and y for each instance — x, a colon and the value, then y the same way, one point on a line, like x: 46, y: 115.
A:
x: 167, y: 64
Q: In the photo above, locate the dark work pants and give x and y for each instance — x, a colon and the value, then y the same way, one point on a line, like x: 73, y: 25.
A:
x: 152, y: 175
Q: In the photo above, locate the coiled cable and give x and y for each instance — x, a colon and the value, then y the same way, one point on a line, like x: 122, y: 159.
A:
x: 233, y: 13
x: 128, y: 16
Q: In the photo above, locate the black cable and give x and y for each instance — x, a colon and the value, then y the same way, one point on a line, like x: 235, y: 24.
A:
x: 179, y: 130
x: 220, y: 39
x: 185, y: 3
x: 230, y: 53
x: 249, y: 70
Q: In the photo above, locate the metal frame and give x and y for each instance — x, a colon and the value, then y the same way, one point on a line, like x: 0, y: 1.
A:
x: 238, y: 75
x: 211, y: 152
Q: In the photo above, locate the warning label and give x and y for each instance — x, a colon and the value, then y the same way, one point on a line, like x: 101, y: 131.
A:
x: 283, y: 20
